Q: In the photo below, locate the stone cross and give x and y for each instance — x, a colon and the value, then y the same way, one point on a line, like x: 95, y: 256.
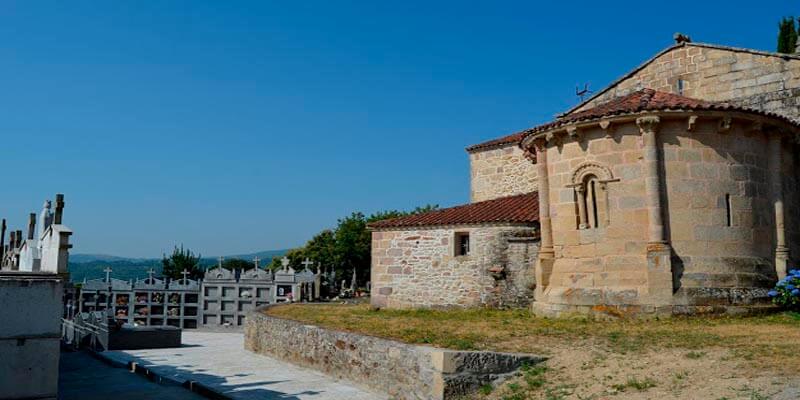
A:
x: 221, y: 260
x: 307, y: 263
x: 285, y: 263
x: 184, y: 273
x: 256, y: 260
x: 108, y: 273
x: 150, y: 273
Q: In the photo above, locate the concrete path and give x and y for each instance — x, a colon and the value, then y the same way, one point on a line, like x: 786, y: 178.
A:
x: 83, y: 377
x: 219, y: 362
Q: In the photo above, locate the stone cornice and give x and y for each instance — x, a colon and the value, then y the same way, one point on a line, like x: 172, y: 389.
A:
x: 561, y: 133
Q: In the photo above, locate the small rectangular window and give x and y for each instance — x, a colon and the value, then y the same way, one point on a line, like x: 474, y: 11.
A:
x: 462, y: 244
x: 729, y: 214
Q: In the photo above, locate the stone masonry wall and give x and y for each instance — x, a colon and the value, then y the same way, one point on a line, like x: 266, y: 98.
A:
x: 500, y: 172
x: 765, y: 82
x: 402, y: 371
x: 418, y: 268
x: 713, y: 263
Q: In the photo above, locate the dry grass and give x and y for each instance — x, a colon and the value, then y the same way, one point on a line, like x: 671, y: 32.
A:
x: 671, y: 358
x: 771, y: 339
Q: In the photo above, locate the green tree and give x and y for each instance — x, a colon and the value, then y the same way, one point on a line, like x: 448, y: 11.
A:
x: 353, y: 246
x: 322, y: 249
x: 180, y: 260
x: 787, y: 35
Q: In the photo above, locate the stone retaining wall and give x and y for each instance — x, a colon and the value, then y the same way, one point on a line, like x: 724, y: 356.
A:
x: 403, y: 371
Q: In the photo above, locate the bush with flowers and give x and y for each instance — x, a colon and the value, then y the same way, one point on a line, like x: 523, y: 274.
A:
x: 787, y: 291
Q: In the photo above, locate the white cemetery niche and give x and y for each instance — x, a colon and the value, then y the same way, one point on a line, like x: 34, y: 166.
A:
x: 55, y: 247
x: 30, y: 256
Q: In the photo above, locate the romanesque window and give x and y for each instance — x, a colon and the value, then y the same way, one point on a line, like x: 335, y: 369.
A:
x: 462, y: 244
x: 591, y: 195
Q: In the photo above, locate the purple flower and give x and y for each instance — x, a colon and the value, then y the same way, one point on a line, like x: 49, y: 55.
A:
x: 773, y: 293
x: 789, y: 286
x: 796, y: 292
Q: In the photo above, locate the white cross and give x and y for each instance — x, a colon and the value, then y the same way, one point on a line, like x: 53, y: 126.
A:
x: 285, y: 262
x: 221, y: 259
x: 307, y: 263
x: 184, y: 273
x: 256, y: 261
x: 108, y: 273
x: 150, y: 273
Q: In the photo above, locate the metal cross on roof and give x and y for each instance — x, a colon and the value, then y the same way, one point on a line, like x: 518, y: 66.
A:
x: 150, y: 273
x: 307, y: 263
x: 256, y: 260
x: 108, y: 273
x: 221, y: 260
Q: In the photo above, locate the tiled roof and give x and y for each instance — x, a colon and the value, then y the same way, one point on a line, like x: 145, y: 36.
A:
x: 513, y: 138
x: 523, y: 208
x: 648, y: 100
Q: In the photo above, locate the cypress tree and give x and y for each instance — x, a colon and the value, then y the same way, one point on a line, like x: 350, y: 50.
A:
x: 787, y: 35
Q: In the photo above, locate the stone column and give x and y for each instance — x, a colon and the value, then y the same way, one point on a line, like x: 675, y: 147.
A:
x: 652, y: 180
x: 544, y: 264
x: 776, y: 188
x: 659, y: 254
x: 545, y: 225
x: 580, y: 193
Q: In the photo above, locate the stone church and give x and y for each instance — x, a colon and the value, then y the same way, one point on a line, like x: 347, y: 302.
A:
x: 671, y: 191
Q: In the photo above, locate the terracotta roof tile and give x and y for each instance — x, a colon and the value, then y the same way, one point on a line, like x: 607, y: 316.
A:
x: 648, y: 100
x: 523, y: 208
x: 513, y: 138
x: 642, y: 100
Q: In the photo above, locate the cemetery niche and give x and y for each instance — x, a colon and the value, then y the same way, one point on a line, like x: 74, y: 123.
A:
x: 222, y: 298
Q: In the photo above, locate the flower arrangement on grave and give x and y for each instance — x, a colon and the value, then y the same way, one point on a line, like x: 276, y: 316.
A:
x: 787, y: 292
x: 175, y: 298
x: 122, y: 300
x: 158, y: 298
x: 122, y: 313
x: 142, y: 311
x: 173, y: 311
x: 142, y: 298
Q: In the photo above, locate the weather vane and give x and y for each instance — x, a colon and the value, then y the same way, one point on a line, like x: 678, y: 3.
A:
x: 582, y: 93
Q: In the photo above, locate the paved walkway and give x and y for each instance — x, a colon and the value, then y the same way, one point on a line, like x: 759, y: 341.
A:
x: 83, y: 377
x: 219, y: 361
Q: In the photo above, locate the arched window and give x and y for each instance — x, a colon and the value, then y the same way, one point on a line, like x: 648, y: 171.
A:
x: 591, y: 196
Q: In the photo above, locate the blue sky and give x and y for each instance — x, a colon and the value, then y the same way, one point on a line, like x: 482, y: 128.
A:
x: 233, y: 127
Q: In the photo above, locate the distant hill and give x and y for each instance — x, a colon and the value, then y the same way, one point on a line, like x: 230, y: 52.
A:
x: 92, y: 266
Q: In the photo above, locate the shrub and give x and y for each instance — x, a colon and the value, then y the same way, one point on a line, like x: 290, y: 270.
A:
x: 787, y: 291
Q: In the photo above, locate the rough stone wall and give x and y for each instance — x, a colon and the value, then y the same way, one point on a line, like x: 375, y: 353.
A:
x: 418, y: 268
x: 760, y: 81
x: 400, y: 370
x: 500, y: 172
x: 713, y: 263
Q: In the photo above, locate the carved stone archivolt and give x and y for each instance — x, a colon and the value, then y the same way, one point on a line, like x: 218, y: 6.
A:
x: 602, y: 172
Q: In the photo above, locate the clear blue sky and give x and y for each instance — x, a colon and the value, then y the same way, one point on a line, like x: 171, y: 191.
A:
x: 250, y: 126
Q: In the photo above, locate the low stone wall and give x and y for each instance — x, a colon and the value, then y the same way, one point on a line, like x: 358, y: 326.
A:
x: 402, y: 371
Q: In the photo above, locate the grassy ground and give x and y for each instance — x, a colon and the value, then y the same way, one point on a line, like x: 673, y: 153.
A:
x: 687, y: 358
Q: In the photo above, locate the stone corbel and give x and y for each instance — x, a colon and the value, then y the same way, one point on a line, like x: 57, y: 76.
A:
x: 691, y: 123
x: 607, y: 127
x: 573, y: 132
x: 530, y: 155
x: 724, y: 124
